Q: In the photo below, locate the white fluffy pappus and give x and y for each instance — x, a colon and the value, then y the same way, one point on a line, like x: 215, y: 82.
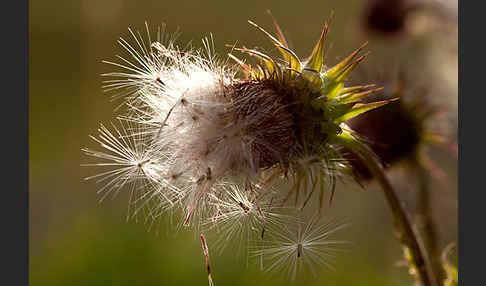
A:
x: 240, y: 216
x: 299, y: 244
x: 198, y: 131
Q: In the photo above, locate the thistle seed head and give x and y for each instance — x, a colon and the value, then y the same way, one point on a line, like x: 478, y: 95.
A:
x: 227, y: 150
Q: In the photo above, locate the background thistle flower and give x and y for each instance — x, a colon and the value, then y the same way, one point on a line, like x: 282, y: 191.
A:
x: 393, y: 17
x: 401, y: 134
x: 401, y: 131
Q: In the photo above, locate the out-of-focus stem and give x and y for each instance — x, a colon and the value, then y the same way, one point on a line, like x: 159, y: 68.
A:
x: 427, y: 226
x: 405, y: 231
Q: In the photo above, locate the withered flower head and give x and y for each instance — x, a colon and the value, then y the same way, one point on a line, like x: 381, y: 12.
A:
x: 400, y: 130
x: 385, y: 17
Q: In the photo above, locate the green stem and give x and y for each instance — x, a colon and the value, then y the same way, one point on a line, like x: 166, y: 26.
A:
x: 405, y: 230
x: 426, y: 223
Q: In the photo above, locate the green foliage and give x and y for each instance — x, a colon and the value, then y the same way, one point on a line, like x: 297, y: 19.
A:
x: 319, y: 92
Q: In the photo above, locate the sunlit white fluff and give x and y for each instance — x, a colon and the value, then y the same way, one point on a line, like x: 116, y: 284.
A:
x: 240, y: 215
x: 181, y: 104
x: 132, y: 163
x: 300, y: 244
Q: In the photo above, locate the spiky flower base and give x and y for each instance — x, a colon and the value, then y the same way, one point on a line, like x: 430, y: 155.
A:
x: 222, y: 148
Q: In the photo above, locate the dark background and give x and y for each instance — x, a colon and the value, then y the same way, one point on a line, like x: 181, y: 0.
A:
x: 74, y: 240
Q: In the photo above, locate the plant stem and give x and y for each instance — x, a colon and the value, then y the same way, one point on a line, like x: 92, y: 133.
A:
x: 405, y: 230
x: 427, y: 226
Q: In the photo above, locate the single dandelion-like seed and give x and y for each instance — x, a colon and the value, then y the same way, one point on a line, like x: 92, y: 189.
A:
x: 301, y: 245
x: 128, y: 158
x: 132, y: 163
x: 240, y: 216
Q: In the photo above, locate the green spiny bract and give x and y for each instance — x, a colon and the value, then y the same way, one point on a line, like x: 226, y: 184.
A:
x: 318, y: 102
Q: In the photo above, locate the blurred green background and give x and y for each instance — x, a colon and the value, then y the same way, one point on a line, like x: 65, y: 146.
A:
x: 74, y: 240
